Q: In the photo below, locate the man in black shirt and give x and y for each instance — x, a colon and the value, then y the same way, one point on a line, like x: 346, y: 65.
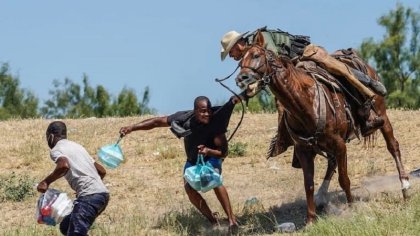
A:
x: 204, y: 131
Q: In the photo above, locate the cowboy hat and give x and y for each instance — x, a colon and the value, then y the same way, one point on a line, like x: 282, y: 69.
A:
x: 228, y: 40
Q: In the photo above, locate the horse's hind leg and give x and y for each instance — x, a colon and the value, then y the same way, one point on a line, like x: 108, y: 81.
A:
x: 394, y: 148
x: 321, y: 197
x: 343, y: 178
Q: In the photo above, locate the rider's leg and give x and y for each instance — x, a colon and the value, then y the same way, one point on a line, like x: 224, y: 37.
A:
x: 372, y: 120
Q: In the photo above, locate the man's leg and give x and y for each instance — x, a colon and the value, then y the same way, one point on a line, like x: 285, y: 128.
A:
x: 198, y: 201
x: 223, y: 197
x: 64, y: 225
x: 85, y: 211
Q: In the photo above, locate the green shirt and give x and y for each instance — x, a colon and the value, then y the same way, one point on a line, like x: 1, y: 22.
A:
x: 280, y: 42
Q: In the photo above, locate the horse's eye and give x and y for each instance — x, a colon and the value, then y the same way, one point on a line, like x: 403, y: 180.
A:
x: 255, y: 56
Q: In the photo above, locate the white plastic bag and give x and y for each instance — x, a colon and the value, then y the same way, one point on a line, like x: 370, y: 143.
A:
x: 52, y: 207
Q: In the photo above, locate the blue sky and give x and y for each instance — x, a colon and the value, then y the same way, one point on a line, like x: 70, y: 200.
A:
x: 173, y: 47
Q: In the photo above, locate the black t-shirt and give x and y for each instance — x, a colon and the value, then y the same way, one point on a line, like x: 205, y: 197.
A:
x: 202, y: 133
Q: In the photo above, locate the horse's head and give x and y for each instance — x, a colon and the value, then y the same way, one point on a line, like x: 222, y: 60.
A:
x: 254, y: 67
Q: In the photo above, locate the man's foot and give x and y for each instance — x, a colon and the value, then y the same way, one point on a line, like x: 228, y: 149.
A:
x: 371, y: 126
x: 233, y: 229
x: 215, y: 222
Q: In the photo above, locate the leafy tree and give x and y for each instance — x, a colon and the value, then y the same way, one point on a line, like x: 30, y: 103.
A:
x: 144, y: 104
x: 88, y: 101
x: 70, y: 99
x: 65, y: 96
x: 103, y: 106
x: 126, y: 103
x: 397, y: 56
x: 15, y: 101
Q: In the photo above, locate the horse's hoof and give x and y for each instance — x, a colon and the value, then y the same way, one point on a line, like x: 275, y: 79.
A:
x: 405, y: 188
x: 406, y: 193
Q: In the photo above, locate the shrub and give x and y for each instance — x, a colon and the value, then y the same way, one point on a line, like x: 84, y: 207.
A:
x: 237, y: 149
x: 15, y: 188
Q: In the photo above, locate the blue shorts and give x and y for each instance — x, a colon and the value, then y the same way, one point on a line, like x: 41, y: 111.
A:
x: 85, y: 211
x: 214, y: 161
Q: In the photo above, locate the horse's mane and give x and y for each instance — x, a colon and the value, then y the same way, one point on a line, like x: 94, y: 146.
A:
x: 295, y: 74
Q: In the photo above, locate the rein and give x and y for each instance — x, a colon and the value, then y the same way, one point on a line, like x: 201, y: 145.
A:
x: 220, y: 81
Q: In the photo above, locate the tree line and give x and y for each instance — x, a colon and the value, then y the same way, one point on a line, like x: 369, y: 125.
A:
x: 68, y: 99
x: 396, y: 57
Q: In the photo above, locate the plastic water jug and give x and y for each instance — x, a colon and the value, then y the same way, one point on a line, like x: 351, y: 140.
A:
x: 111, y: 155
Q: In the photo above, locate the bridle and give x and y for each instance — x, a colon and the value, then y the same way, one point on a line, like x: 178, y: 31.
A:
x: 265, y: 75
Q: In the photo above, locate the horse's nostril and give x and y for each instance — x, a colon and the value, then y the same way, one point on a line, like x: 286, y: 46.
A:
x: 243, y: 77
x: 242, y: 80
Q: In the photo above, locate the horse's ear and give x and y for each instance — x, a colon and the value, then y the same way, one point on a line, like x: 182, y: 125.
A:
x: 259, y: 39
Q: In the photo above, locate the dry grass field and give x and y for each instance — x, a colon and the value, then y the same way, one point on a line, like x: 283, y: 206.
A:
x: 147, y: 195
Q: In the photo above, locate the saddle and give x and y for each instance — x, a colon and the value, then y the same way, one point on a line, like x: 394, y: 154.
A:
x: 351, y: 58
x: 319, y: 74
x: 359, y: 68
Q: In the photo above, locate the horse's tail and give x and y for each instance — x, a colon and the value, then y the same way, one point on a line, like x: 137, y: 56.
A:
x: 370, y: 140
x: 272, y: 151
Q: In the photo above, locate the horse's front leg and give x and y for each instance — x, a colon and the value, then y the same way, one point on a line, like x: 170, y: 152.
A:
x: 306, y: 158
x: 321, y: 197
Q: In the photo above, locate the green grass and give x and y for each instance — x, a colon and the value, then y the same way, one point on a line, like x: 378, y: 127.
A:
x: 386, y: 216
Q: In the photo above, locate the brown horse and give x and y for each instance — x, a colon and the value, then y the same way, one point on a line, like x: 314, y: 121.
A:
x: 315, y: 118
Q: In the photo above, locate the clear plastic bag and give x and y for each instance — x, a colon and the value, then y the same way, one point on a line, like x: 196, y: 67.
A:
x: 202, y: 177
x: 52, y: 207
